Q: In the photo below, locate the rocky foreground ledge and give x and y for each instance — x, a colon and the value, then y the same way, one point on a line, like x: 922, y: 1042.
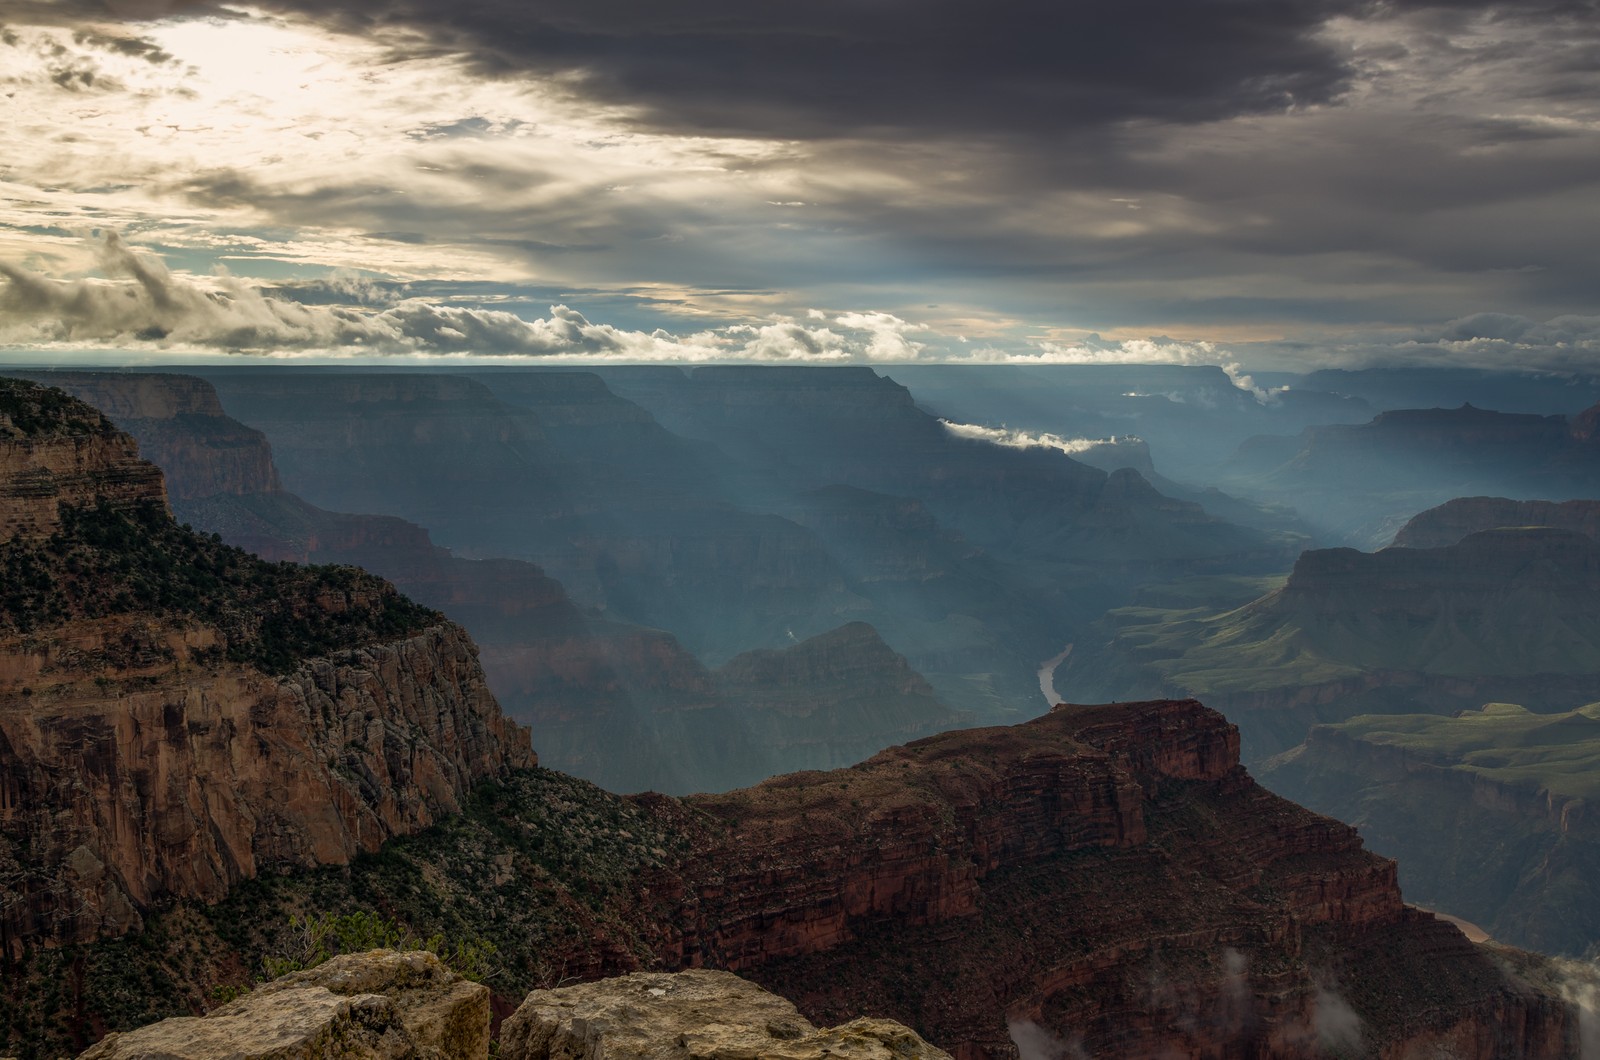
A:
x: 387, y: 1005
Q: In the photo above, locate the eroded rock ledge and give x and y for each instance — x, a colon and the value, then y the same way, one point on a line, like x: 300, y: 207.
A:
x: 381, y: 1005
x: 697, y: 1014
x: 386, y: 1005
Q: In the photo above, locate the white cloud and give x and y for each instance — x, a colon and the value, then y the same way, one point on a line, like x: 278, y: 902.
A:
x: 1013, y: 439
x: 138, y: 301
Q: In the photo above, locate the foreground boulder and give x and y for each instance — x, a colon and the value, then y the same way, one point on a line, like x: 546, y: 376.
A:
x: 701, y: 1014
x: 377, y: 1005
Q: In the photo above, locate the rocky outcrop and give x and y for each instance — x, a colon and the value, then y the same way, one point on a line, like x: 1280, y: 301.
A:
x: 1103, y: 878
x: 180, y: 426
x: 381, y: 1005
x: 124, y: 787
x: 818, y: 860
x: 176, y: 716
x: 691, y: 1014
x: 56, y: 452
x: 1455, y: 520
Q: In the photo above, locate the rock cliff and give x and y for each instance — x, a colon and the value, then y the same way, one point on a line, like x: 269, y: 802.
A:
x: 180, y: 426
x: 1103, y: 878
x: 126, y: 786
x: 57, y: 452
x: 176, y: 715
x: 1490, y: 812
x: 1454, y: 520
x: 1502, y: 614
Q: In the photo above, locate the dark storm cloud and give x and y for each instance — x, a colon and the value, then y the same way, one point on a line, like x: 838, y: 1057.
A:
x: 134, y: 47
x: 819, y: 68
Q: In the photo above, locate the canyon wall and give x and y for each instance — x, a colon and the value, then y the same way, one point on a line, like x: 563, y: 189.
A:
x: 55, y: 452
x: 1454, y: 520
x: 180, y: 427
x: 1513, y: 850
x: 176, y: 716
x: 1103, y: 876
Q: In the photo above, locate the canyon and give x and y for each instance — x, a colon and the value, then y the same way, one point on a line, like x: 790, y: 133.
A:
x: 209, y: 747
x: 1489, y: 812
x: 624, y: 705
x: 1503, y: 614
x: 1358, y: 484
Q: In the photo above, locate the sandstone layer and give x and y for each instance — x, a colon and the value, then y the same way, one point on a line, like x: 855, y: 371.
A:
x: 690, y: 1015
x: 132, y: 786
x: 381, y: 1005
x: 1104, y: 877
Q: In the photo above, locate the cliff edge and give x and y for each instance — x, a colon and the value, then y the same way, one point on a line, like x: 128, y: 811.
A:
x: 177, y: 715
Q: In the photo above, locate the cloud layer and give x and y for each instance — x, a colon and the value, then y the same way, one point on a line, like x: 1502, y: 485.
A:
x: 138, y: 301
x: 133, y: 301
x: 1273, y: 179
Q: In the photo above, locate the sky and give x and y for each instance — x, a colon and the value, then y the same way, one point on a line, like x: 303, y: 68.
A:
x: 1283, y: 184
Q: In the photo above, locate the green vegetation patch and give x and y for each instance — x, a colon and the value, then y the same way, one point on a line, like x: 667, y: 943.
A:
x: 1503, y: 741
x: 1201, y: 651
x: 106, y: 561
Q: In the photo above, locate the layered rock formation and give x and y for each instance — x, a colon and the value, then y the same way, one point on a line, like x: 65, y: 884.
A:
x: 127, y: 785
x: 176, y: 716
x: 1490, y: 812
x: 381, y: 1005
x: 1503, y: 614
x: 1454, y: 520
x: 180, y: 426
x: 1102, y: 878
x: 55, y: 452
x: 693, y: 1014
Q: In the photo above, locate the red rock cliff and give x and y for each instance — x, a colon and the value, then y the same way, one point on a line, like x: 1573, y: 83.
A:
x: 1103, y: 878
x: 166, y: 730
